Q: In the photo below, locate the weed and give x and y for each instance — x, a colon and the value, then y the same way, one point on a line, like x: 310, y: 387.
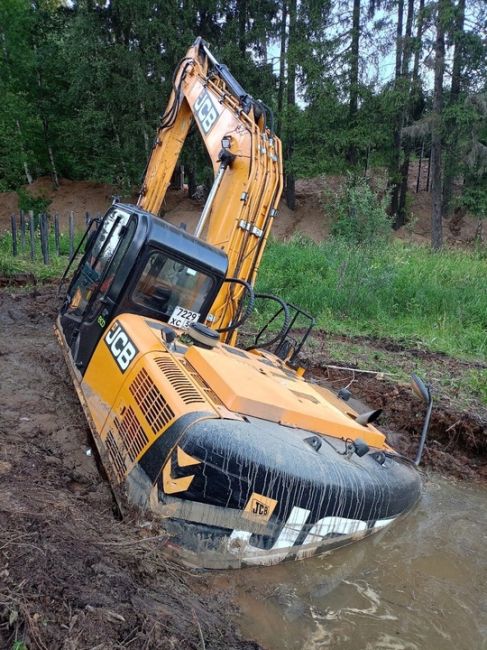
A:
x: 360, y: 214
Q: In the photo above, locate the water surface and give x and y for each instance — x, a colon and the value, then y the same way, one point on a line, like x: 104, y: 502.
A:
x: 419, y: 585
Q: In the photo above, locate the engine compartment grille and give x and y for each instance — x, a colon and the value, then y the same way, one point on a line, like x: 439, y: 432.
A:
x: 181, y: 384
x: 149, y: 399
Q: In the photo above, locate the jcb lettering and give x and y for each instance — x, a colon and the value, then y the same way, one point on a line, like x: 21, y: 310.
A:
x: 205, y: 111
x: 260, y: 509
x: 120, y: 346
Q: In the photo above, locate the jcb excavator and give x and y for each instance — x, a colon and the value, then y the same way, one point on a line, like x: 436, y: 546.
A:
x: 242, y: 460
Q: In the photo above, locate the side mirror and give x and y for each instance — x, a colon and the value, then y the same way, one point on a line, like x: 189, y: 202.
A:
x: 420, y: 389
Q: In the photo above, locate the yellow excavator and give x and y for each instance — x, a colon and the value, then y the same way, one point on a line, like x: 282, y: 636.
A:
x: 241, y: 459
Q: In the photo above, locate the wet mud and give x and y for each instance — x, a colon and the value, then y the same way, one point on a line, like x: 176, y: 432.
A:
x: 73, y: 575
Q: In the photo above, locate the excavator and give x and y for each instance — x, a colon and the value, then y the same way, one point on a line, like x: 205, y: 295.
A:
x: 239, y: 458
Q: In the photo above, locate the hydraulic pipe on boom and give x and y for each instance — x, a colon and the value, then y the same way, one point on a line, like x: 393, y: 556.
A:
x: 247, y: 161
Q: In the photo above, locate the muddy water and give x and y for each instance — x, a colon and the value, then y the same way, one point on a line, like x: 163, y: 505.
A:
x: 420, y: 585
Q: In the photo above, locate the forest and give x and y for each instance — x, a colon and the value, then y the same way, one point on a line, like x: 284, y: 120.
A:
x: 354, y: 85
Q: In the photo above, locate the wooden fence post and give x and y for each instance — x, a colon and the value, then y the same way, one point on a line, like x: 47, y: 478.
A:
x: 44, y: 238
x: 87, y: 218
x: 32, y: 234
x: 13, y: 222
x: 22, y: 232
x: 71, y: 235
x: 56, y: 233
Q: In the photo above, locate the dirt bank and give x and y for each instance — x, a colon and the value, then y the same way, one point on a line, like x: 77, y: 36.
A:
x: 457, y: 441
x: 72, y: 575
x: 313, y: 215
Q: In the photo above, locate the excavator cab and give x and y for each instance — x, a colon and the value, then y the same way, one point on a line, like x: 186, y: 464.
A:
x: 136, y: 263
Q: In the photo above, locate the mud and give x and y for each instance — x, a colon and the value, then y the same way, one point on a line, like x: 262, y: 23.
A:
x: 72, y: 574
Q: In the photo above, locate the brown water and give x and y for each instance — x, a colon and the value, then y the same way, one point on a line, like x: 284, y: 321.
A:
x: 419, y: 585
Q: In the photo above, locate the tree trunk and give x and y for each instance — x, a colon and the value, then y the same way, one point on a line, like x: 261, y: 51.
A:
x: 291, y: 104
x: 352, y: 153
x: 191, y: 182
x: 436, y: 135
x: 401, y: 216
x: 242, y: 26
x: 414, y: 94
x: 451, y: 151
x: 394, y: 174
x: 27, y: 173
x: 282, y: 69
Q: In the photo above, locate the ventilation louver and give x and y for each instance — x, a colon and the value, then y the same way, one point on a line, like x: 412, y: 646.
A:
x: 154, y: 407
x: 181, y: 384
x: 203, y: 385
x: 115, y: 456
x: 131, y: 433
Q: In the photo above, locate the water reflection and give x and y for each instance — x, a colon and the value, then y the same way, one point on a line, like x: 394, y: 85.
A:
x: 420, y: 585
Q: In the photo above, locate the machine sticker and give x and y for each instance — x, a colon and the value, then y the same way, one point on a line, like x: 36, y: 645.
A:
x: 205, y: 111
x: 172, y: 484
x: 259, y: 507
x: 120, y: 346
x: 183, y: 318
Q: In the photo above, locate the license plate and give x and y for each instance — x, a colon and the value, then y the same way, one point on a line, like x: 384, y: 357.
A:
x: 183, y: 318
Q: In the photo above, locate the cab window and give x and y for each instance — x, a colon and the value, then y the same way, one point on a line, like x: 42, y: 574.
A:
x: 166, y: 283
x: 95, y: 267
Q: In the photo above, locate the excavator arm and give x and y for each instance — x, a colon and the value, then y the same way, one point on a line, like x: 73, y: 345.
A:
x: 247, y: 163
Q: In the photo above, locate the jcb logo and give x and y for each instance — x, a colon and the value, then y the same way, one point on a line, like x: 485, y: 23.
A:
x: 205, y: 111
x: 260, y: 509
x: 120, y: 345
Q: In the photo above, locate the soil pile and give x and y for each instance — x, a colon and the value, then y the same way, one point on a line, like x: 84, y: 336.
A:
x: 313, y: 215
x: 72, y: 575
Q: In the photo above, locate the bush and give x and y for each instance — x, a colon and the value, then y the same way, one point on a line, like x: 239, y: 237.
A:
x: 27, y: 201
x: 360, y: 214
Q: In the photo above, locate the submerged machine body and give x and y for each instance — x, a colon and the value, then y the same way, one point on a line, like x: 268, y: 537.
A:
x: 241, y: 459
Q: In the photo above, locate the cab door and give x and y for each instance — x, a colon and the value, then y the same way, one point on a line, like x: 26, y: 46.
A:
x: 96, y: 287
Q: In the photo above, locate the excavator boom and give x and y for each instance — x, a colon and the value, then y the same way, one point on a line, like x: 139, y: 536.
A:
x: 247, y: 162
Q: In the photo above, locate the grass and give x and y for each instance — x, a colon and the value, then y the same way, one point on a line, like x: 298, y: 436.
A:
x: 407, y: 293
x: 396, y: 291
x: 11, y: 266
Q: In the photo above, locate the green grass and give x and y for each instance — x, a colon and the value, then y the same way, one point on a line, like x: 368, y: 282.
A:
x: 402, y: 292
x: 11, y: 266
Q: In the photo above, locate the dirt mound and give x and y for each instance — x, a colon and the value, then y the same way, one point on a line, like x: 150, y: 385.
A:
x: 313, y: 215
x: 72, y: 575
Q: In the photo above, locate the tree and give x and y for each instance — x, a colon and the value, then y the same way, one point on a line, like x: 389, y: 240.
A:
x: 352, y: 153
x: 442, y: 14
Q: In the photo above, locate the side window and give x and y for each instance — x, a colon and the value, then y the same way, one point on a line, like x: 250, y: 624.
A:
x: 94, y: 270
x: 113, y: 266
